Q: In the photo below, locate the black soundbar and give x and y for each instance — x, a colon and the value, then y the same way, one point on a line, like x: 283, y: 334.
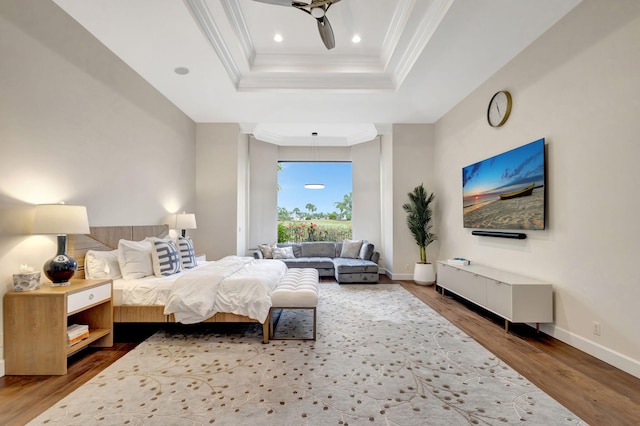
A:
x: 516, y: 235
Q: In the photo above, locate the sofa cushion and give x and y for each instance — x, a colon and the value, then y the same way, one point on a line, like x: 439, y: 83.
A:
x: 366, y: 250
x: 267, y: 250
x: 310, y: 262
x: 318, y: 249
x: 351, y: 248
x: 283, y: 253
x: 297, y: 248
x: 345, y: 265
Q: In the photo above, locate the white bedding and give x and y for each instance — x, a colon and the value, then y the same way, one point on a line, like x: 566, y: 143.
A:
x: 149, y: 290
x: 238, y: 285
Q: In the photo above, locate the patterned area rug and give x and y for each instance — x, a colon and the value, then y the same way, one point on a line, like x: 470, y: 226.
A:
x: 382, y: 358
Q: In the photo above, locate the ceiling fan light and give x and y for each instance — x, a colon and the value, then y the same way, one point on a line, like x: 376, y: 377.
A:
x: 317, y: 12
x: 278, y: 38
x: 356, y: 38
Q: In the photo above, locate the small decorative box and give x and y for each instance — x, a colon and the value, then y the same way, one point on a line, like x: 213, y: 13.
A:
x: 26, y: 282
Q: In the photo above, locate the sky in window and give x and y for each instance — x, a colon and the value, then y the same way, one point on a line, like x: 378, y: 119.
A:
x: 335, y: 176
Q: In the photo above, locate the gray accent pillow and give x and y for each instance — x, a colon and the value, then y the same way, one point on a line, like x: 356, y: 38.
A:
x: 351, y: 248
x: 366, y: 251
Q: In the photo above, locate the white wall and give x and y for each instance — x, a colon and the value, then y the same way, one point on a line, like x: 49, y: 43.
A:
x: 77, y: 124
x: 578, y: 86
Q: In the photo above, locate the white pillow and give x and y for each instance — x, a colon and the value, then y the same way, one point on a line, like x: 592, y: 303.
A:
x: 101, y: 265
x: 165, y: 257
x: 187, y: 253
x: 351, y: 248
x: 283, y: 253
x: 134, y: 258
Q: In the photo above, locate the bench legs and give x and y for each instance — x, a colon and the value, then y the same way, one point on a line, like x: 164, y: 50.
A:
x: 272, y: 326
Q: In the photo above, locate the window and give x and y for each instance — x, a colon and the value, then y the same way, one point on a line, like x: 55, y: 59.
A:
x: 314, y: 214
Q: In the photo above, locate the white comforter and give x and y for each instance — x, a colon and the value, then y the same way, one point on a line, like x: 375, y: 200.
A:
x: 239, y: 285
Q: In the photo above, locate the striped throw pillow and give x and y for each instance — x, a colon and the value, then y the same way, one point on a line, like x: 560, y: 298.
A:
x: 187, y: 253
x: 166, y: 259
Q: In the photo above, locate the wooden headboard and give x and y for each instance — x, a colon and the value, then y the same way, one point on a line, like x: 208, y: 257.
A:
x: 105, y: 238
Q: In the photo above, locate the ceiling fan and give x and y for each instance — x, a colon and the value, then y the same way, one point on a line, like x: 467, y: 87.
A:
x: 317, y: 9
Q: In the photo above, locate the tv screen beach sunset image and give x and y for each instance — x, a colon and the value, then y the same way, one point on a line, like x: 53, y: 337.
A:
x: 506, y: 191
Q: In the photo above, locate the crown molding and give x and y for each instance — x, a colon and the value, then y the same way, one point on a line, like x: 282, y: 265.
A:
x: 205, y: 21
x: 373, y: 72
x: 427, y: 27
x: 239, y: 24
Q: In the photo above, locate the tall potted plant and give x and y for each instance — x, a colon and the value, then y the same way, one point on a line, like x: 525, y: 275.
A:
x: 419, y: 222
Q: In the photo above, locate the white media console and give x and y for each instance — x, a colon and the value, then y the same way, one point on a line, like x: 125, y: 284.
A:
x: 514, y: 297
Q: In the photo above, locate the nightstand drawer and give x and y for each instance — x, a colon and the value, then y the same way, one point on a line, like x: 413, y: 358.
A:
x: 90, y: 296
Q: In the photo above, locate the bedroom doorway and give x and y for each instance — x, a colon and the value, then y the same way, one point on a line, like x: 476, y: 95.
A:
x: 314, y: 201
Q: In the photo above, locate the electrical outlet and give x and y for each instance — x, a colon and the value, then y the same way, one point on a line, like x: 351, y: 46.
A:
x: 596, y: 328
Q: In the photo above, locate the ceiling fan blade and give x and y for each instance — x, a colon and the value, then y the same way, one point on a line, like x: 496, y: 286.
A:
x: 326, y: 32
x: 276, y: 2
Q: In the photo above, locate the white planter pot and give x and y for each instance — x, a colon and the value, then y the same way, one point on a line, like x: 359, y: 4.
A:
x: 424, y: 273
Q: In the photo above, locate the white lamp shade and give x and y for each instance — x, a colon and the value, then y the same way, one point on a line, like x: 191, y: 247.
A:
x: 60, y: 219
x: 186, y: 221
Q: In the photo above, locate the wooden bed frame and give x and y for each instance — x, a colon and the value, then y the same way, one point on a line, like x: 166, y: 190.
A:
x: 104, y: 238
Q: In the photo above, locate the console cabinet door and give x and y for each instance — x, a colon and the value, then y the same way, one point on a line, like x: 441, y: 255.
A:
x: 474, y: 287
x: 499, y: 298
x: 446, y: 276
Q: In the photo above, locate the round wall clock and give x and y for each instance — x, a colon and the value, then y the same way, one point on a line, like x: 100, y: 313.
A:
x: 499, y: 109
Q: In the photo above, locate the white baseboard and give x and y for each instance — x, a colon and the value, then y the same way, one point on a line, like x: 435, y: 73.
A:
x: 403, y: 277
x: 618, y: 360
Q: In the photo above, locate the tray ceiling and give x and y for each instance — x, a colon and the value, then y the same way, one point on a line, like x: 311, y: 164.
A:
x: 415, y: 61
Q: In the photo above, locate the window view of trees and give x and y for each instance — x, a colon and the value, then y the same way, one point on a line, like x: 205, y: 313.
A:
x: 306, y: 221
x: 297, y: 226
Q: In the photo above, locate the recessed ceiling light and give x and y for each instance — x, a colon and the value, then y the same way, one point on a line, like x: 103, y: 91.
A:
x: 182, y: 70
x: 277, y: 38
x: 356, y: 39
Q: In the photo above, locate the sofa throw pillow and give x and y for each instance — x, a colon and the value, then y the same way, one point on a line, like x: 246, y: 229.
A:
x: 165, y: 257
x: 351, y: 248
x: 366, y: 250
x: 134, y: 258
x: 187, y: 253
x: 283, y: 253
x: 267, y: 250
x: 102, y: 265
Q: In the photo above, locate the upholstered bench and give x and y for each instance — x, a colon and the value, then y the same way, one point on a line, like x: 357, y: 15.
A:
x: 298, y: 289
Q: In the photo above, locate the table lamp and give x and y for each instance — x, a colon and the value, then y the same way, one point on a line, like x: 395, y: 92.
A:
x: 185, y: 221
x: 60, y: 219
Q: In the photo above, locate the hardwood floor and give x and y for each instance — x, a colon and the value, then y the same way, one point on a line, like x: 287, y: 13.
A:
x: 595, y: 391
x: 592, y: 389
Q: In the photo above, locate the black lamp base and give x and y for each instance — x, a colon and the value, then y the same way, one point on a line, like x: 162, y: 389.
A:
x: 60, y: 268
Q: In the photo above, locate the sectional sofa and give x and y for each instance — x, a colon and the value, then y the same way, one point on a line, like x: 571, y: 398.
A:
x: 349, y: 261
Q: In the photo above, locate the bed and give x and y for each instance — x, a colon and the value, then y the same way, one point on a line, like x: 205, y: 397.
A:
x: 145, y: 300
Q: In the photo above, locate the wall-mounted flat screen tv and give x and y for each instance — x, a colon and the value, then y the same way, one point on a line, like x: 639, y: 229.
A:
x: 506, y: 191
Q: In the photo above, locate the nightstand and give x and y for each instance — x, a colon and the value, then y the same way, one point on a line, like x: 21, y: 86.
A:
x: 35, y: 325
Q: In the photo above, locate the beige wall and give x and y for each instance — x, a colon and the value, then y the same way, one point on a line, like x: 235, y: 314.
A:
x: 578, y: 86
x: 220, y: 189
x: 77, y: 124
x: 412, y: 159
